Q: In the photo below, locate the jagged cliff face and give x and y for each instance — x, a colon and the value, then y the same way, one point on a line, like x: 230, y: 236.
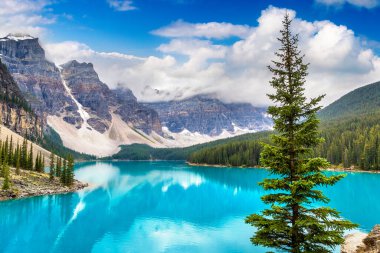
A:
x: 210, y: 116
x: 140, y: 116
x: 14, y: 111
x: 100, y: 102
x: 38, y: 79
x: 92, y: 118
x: 90, y: 92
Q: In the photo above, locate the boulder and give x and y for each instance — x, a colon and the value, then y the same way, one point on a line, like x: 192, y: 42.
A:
x: 362, y: 243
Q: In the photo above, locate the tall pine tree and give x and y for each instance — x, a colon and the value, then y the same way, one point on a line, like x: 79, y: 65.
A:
x: 292, y: 223
x: 7, y: 177
x: 70, y: 171
x: 30, y: 157
x: 52, y: 169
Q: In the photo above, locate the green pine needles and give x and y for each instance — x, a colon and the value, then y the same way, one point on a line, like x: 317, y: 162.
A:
x: 297, y: 219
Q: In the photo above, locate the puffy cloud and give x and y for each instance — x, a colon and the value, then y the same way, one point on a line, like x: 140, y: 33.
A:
x: 359, y: 3
x: 23, y: 16
x: 121, y: 5
x: 236, y: 72
x: 203, y: 30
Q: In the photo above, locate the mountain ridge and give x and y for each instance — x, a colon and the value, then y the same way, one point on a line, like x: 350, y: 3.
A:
x: 73, y: 100
x: 363, y: 100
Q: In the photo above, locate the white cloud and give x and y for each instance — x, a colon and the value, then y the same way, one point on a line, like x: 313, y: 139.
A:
x: 193, y: 65
x: 121, y: 5
x: 23, y: 16
x: 203, y: 30
x: 359, y: 3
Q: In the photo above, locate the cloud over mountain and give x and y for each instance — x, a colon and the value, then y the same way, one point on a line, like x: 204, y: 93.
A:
x: 196, y: 61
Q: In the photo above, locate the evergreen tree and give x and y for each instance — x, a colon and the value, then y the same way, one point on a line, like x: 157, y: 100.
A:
x: 52, y: 170
x: 5, y: 151
x: 10, y: 154
x: 291, y: 223
x: 30, y: 157
x: 37, y: 163
x: 6, y: 175
x: 64, y: 172
x: 70, y: 170
x: 58, y: 169
x: 24, y: 154
x: 18, y: 158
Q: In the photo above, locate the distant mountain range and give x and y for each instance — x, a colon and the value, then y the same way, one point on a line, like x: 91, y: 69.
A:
x: 92, y: 118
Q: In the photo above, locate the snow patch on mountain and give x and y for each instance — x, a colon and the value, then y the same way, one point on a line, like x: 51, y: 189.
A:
x: 17, y: 37
x: 84, y: 115
x: 87, y: 140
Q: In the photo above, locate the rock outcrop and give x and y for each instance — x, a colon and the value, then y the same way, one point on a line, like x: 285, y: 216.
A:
x: 210, y: 116
x: 90, y: 92
x: 38, y: 79
x: 362, y: 243
x: 139, y: 115
x: 15, y: 112
x: 99, y: 101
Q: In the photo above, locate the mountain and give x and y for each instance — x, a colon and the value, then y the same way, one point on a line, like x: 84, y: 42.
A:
x: 75, y: 103
x: 364, y: 100
x: 350, y: 127
x: 38, y: 79
x: 15, y: 112
x: 91, y: 118
x: 210, y: 116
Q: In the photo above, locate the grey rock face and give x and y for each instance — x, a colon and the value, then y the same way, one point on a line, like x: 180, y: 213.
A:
x: 99, y: 101
x: 140, y: 116
x: 209, y: 116
x: 38, y: 79
x: 14, y: 110
x: 90, y: 92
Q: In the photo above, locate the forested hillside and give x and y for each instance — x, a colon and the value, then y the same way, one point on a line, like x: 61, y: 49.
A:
x: 145, y: 152
x: 350, y: 127
x: 363, y: 100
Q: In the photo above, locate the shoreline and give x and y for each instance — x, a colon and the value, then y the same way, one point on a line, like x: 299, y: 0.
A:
x: 249, y: 167
x: 32, y: 184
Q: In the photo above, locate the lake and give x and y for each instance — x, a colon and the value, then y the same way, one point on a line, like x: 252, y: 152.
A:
x: 161, y: 207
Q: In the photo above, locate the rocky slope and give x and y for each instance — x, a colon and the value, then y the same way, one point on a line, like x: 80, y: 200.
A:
x: 38, y: 79
x: 92, y: 118
x: 99, y: 101
x: 90, y: 92
x: 210, y: 116
x: 14, y: 110
x: 362, y: 243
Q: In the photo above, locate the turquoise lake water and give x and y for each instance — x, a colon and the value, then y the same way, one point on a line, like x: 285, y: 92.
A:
x: 161, y: 207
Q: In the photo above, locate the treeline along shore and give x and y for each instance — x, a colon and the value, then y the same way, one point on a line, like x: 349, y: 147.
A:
x: 28, y: 170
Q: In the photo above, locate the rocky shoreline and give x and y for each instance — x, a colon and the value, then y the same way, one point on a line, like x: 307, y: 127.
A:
x: 360, y: 242
x: 31, y: 183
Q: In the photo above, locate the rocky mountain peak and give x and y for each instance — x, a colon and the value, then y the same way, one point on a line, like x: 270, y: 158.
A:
x: 81, y: 65
x: 83, y: 70
x: 20, y: 36
x: 21, y: 46
x: 38, y: 79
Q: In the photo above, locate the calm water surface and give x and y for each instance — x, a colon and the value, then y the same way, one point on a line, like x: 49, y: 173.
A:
x: 161, y: 207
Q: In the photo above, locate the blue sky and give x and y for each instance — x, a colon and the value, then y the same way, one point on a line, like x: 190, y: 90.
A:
x: 105, y: 28
x: 174, y: 49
